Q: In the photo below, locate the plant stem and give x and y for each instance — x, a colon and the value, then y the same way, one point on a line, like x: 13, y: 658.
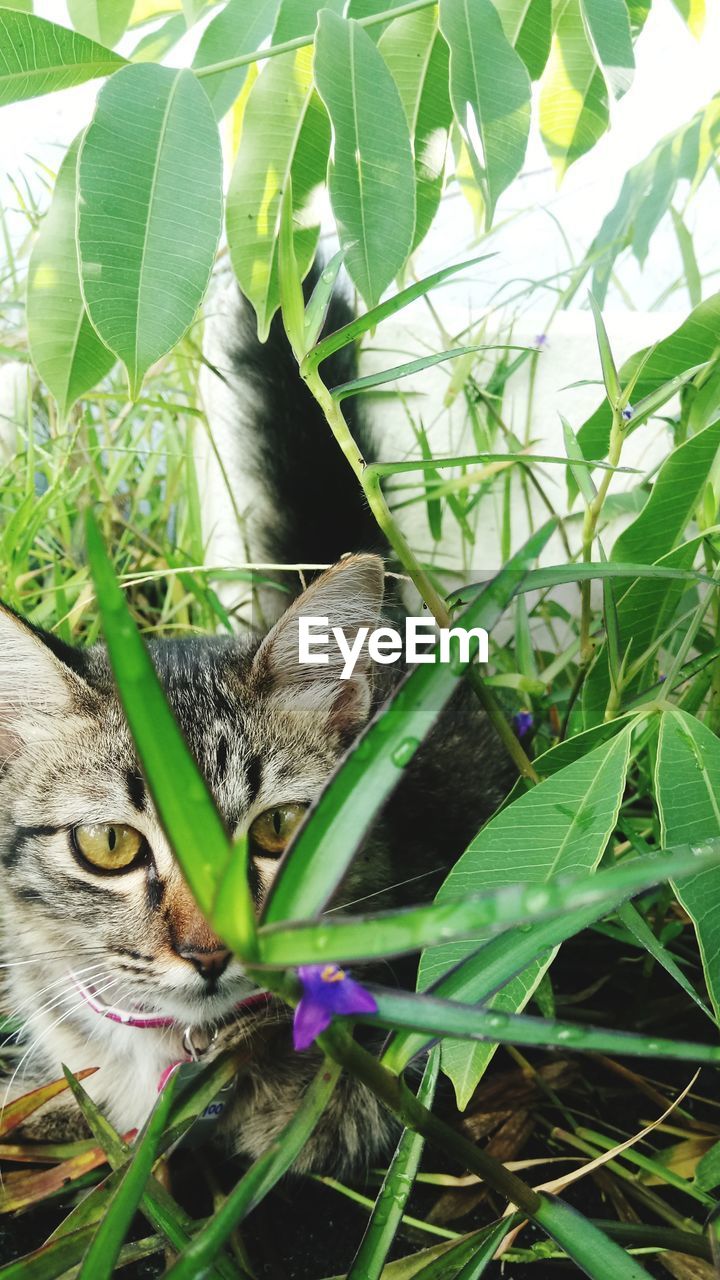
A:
x: 370, y: 482
x: 301, y: 42
x: 338, y: 1043
x: 592, y: 515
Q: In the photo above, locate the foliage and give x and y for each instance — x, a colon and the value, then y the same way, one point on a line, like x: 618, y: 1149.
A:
x: 383, y: 107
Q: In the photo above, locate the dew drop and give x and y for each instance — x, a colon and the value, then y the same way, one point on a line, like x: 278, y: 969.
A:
x: 404, y: 752
x: 569, y: 1033
x: 497, y: 1020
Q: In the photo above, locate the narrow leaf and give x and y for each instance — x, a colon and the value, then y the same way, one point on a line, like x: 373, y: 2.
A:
x: 573, y: 97
x: 607, y: 23
x: 285, y: 143
x: 184, y: 804
x: 66, y: 351
x: 149, y: 213
x: 40, y: 57
x: 372, y: 179
x: 238, y: 28
x: 102, y: 20
x: 490, y: 92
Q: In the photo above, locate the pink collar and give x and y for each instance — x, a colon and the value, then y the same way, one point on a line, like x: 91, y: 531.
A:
x: 136, y: 1018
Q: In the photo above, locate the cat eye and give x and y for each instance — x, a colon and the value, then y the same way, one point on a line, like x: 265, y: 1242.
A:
x: 272, y: 831
x: 107, y: 846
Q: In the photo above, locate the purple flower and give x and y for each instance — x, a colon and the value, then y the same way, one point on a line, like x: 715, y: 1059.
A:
x: 541, y: 341
x: 523, y: 723
x: 628, y: 412
x: 327, y: 990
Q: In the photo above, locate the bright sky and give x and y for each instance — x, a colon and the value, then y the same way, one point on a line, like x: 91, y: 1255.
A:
x: 676, y: 75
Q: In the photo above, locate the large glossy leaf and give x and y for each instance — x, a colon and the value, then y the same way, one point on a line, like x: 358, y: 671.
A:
x: 417, y: 56
x: 607, y: 24
x: 573, y: 97
x: 65, y: 348
x: 149, y: 211
x: 238, y: 28
x: 285, y: 140
x: 562, y: 825
x: 692, y: 343
x: 40, y: 57
x: 101, y: 20
x: 490, y: 92
x: 528, y: 27
x: 688, y: 796
x: 372, y: 179
x: 326, y: 844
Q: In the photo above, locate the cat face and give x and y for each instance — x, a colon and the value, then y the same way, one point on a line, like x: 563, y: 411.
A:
x: 90, y: 881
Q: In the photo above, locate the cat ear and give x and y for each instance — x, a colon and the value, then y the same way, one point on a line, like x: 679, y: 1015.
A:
x: 33, y: 682
x: 349, y: 595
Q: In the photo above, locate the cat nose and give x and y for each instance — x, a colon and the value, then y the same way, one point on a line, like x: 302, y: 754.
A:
x: 209, y: 964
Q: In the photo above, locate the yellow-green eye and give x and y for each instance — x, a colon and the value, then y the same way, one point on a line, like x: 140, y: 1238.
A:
x: 108, y: 846
x: 274, y: 828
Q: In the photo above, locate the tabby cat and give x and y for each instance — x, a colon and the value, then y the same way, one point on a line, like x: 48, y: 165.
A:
x: 107, y: 960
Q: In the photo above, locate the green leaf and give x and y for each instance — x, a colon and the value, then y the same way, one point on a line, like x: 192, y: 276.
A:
x: 102, y: 20
x: 573, y: 97
x: 436, y: 1017
x: 693, y: 278
x: 693, y: 343
x: 636, y: 924
x: 237, y: 29
x: 490, y: 92
x: 417, y: 56
x: 673, y: 499
x: 394, y: 1193
x: 370, y: 319
x: 648, y: 189
x: 354, y: 938
x: 562, y: 825
x: 607, y: 24
x: 193, y: 825
x: 40, y: 57
x: 149, y: 212
x: 372, y: 177
x: 324, y: 847
x: 528, y: 27
x: 707, y: 1173
x: 65, y: 349
x: 155, y: 44
x: 607, y: 362
x: 285, y: 140
x: 99, y: 1261
x: 688, y: 795
x: 599, y: 1256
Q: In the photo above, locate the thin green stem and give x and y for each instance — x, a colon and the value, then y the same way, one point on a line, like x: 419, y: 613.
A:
x: 301, y: 42
x: 590, y: 523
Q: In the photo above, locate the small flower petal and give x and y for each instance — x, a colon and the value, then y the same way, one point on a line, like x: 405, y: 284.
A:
x: 327, y: 990
x: 523, y: 723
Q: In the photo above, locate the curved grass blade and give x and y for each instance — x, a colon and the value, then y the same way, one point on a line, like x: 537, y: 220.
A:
x: 99, y: 1261
x: 356, y: 938
x: 149, y: 211
x: 448, y: 1018
x: 557, y: 575
x: 17, y: 1112
x: 315, y: 864
x: 395, y: 1190
x: 40, y: 57
x: 260, y: 1178
x: 187, y: 811
x: 361, y: 324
